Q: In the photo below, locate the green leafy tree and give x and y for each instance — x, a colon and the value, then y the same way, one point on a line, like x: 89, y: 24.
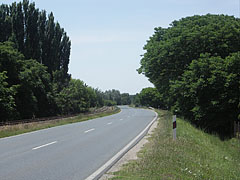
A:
x: 136, y: 100
x: 125, y: 99
x: 36, y: 36
x: 108, y: 102
x: 34, y: 97
x: 191, y: 65
x: 92, y: 97
x: 5, y: 23
x: 7, y: 102
x: 170, y: 50
x: 30, y: 79
x: 208, y: 93
x: 73, y: 98
x: 34, y: 59
x: 113, y: 95
x: 18, y: 25
x: 150, y: 97
x: 100, y: 97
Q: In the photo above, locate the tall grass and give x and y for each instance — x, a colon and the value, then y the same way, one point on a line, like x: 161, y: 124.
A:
x: 194, y: 155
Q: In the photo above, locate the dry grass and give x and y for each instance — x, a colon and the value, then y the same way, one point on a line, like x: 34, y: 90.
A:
x: 11, y: 130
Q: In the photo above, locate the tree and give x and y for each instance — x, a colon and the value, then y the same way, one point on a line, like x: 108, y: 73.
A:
x: 208, y: 93
x: 92, y: 97
x: 36, y: 36
x: 73, y: 98
x: 7, y: 102
x: 150, y: 97
x: 191, y: 65
x: 125, y: 97
x: 136, y: 100
x: 100, y: 97
x: 18, y: 25
x: 170, y: 50
x: 31, y: 82
x: 34, y: 58
x: 5, y: 23
x: 113, y: 95
x: 34, y: 94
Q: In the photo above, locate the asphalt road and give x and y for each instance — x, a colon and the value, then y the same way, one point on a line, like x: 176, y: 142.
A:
x: 70, y: 152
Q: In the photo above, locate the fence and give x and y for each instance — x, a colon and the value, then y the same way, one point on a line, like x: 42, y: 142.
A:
x: 237, y: 129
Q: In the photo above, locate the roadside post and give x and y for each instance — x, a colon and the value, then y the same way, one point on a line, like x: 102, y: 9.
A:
x: 174, y: 127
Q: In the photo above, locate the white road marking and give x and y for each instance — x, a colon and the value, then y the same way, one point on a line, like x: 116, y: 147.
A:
x: 109, y: 123
x: 120, y: 119
x: 117, y: 156
x: 44, y: 145
x: 89, y: 130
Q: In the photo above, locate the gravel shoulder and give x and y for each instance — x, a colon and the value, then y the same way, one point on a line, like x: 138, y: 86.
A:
x: 130, y: 155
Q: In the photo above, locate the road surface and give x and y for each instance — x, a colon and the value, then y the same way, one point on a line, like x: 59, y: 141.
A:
x: 72, y: 151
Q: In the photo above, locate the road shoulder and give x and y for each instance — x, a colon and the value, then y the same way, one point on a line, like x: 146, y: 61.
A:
x: 131, y: 154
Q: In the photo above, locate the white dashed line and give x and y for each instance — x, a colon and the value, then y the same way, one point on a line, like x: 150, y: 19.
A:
x: 44, y: 145
x: 89, y: 130
x: 120, y: 119
x: 109, y: 123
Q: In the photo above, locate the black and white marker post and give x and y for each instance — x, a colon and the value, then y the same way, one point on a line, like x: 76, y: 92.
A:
x: 174, y: 127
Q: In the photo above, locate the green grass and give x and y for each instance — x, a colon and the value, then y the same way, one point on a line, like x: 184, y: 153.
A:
x: 11, y: 130
x: 194, y: 155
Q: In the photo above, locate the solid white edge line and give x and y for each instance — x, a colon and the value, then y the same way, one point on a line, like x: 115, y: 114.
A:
x: 38, y: 147
x: 89, y: 130
x: 97, y: 174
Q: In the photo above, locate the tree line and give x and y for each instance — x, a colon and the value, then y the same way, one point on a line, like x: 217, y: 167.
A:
x: 34, y: 59
x: 195, y: 67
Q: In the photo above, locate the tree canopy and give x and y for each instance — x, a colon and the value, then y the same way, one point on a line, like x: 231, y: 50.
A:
x: 189, y: 63
x: 36, y: 35
x: 34, y: 59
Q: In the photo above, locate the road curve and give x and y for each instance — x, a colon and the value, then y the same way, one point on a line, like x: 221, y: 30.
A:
x: 73, y: 151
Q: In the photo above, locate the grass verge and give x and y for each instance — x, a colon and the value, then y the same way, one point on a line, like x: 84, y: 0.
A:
x: 195, y: 155
x: 11, y: 130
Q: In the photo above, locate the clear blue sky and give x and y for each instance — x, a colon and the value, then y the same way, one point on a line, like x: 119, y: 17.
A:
x: 108, y: 35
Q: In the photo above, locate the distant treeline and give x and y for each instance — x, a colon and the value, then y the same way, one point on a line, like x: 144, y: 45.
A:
x: 195, y: 67
x: 34, y: 59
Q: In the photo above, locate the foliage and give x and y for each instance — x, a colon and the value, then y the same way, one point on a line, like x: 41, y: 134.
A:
x: 208, y: 93
x: 108, y: 102
x: 195, y: 155
x: 28, y: 91
x: 114, y: 97
x: 35, y: 35
x: 7, y: 103
x: 34, y: 58
x: 125, y: 99
x: 74, y: 98
x: 34, y: 94
x: 136, y: 100
x: 150, y: 97
x: 200, y: 87
x: 29, y: 80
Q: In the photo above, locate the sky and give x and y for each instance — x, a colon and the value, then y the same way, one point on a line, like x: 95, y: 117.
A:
x: 108, y: 36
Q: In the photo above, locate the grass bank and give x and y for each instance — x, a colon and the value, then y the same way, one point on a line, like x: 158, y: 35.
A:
x: 11, y: 130
x: 195, y: 155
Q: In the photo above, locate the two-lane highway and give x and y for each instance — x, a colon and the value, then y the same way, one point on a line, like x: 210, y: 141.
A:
x: 71, y: 151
